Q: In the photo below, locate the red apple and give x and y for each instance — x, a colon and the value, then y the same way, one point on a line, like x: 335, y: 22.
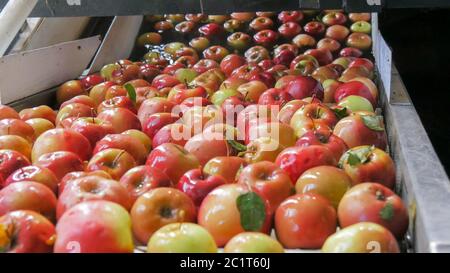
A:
x: 115, y: 162
x: 154, y: 105
x: 266, y: 38
x: 304, y: 41
x: 261, y: 23
x: 216, y: 53
x: 205, y: 146
x: 289, y: 109
x: 34, y: 173
x: 210, y: 30
x: 290, y: 16
x: 157, y: 208
x: 28, y: 195
x: 360, y: 41
x: 69, y: 90
x: 93, y: 129
x: 274, y: 96
x: 323, y: 56
x: 225, y: 166
x: 10, y: 161
x: 359, y: 87
x: 350, y: 52
x: 230, y: 63
x: 320, y: 137
x: 78, y: 229
x: 7, y: 112
x: 16, y: 143
x: 60, y: 163
x: 314, y: 28
x: 42, y: 111
x: 302, y: 87
x: 81, y: 99
x: 204, y: 65
x: 117, y: 102
x: 91, y: 188
x: 123, y: 142
x: 373, y: 202
x: 334, y: 18
x: 305, y: 221
x: 269, y: 181
x: 367, y: 163
x: 310, y: 116
x: 16, y: 127
x: 296, y: 160
x: 25, y: 231
x: 169, y: 133
x: 196, y: 184
x: 289, y: 30
x: 337, y: 32
x: 98, y: 92
x: 61, y: 140
x: 121, y: 119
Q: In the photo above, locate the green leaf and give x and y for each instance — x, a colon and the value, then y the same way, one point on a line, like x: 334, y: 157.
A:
x: 340, y: 112
x: 237, y: 146
x: 387, y: 213
x: 131, y: 92
x: 252, y: 210
x: 353, y: 159
x: 373, y: 123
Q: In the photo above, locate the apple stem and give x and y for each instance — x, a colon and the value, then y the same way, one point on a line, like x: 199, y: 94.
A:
x: 114, y: 163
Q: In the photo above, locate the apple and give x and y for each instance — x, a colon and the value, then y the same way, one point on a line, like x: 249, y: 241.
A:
x: 156, y: 121
x: 290, y: 16
x: 362, y: 128
x: 362, y: 27
x: 252, y: 90
x: 360, y: 41
x: 350, y: 52
x: 98, y: 92
x: 7, y: 112
x: 325, y: 138
x: 255, y: 54
x: 152, y: 106
x: 268, y: 181
x: 311, y: 114
x: 355, y: 17
x: 107, y: 70
x: 185, y: 27
x: 28, y: 195
x: 220, y: 213
x: 373, y: 202
x: 42, y: 111
x: 296, y: 160
x: 289, y: 109
x: 74, y: 110
x: 123, y: 142
x: 329, y: 44
x: 266, y: 38
x: 173, y: 160
x: 261, y: 23
x: 253, y: 242
x: 205, y: 146
x: 196, y: 18
x: 327, y: 181
x: 364, y: 237
x: 301, y: 87
x: 275, y: 96
x: 157, y: 208
x: 334, y: 18
x: 233, y: 25
x: 91, y: 80
x: 117, y: 102
x: 229, y: 64
x: 16, y: 127
x: 181, y: 238
x: 140, y: 137
x: 289, y: 30
x: 25, y: 231
x: 204, y: 65
x: 163, y: 26
x: 337, y: 32
x: 60, y: 163
x: 314, y: 28
x: 218, y: 19
x: 183, y: 91
x: 323, y: 56
x: 169, y: 134
x: 69, y: 90
x: 68, y: 178
x: 199, y: 43
x: 210, y: 30
x: 78, y: 229
x: 81, y: 99
x: 243, y: 16
x: 16, y: 143
x: 34, y: 173
x: 61, y: 140
x: 305, y: 221
x: 324, y: 73
x: 356, y: 103
x: 10, y: 161
x: 149, y: 38
x: 121, y: 119
x: 359, y: 87
x: 141, y: 179
x: 91, y: 188
x: 197, y: 118
x: 224, y: 166
x: 354, y: 72
x: 210, y: 80
x: 92, y: 128
x: 197, y: 184
x: 304, y: 41
x: 116, y: 162
x: 367, y: 163
x: 284, y: 57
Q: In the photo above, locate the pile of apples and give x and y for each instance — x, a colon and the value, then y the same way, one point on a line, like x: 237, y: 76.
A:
x: 108, y: 172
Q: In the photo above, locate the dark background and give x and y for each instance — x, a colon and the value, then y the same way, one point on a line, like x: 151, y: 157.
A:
x: 420, y: 40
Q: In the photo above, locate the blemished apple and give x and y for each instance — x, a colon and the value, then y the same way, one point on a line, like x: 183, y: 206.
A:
x: 78, y: 229
x: 26, y: 231
x: 327, y: 181
x: 253, y: 242
x: 181, y: 238
x: 159, y: 207
x: 362, y: 237
x: 28, y: 195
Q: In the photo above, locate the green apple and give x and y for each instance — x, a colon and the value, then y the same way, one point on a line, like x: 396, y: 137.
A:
x: 356, y: 103
x: 181, y: 238
x: 185, y: 75
x: 361, y: 26
x: 343, y: 61
x: 107, y: 70
x: 171, y: 48
x: 253, y: 242
x: 220, y: 96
